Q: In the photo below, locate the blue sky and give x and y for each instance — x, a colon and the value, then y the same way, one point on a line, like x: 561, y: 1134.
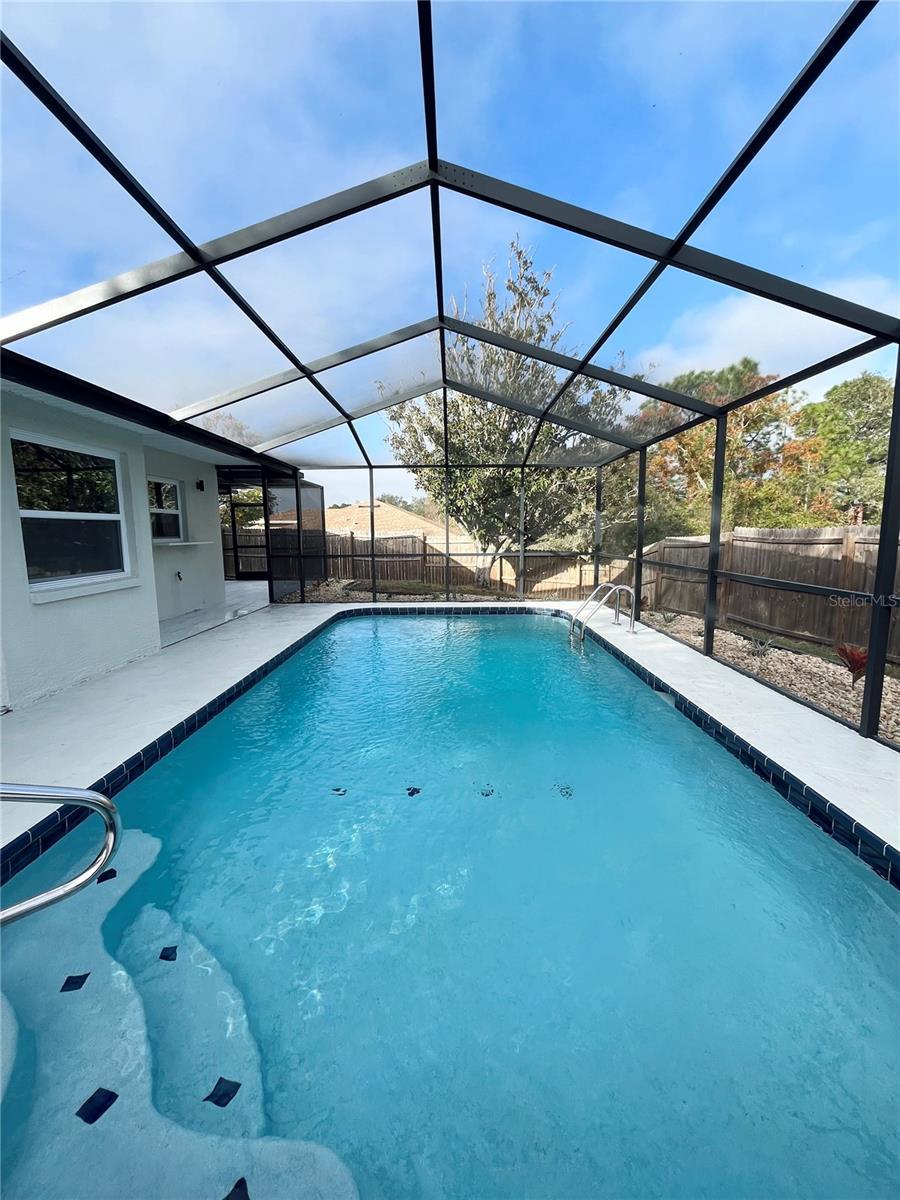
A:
x: 230, y: 112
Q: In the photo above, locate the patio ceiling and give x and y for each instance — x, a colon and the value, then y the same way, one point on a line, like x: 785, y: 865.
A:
x: 302, y: 411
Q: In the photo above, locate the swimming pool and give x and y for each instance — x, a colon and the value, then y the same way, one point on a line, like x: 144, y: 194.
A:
x: 466, y: 913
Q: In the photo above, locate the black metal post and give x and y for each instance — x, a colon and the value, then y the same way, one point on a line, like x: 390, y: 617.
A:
x: 447, y: 568
x: 885, y: 574
x: 520, y: 582
x: 234, y: 541
x: 326, y: 560
x: 639, y: 542
x: 302, y: 571
x: 598, y: 531
x: 715, y: 531
x: 446, y: 531
x: 372, y: 536
x: 267, y: 535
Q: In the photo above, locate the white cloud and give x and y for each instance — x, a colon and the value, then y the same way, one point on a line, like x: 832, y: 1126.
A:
x: 782, y: 339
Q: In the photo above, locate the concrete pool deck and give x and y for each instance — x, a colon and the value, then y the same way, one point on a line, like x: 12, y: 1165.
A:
x: 81, y: 734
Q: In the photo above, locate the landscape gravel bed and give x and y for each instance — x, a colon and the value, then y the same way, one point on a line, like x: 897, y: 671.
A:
x: 826, y: 684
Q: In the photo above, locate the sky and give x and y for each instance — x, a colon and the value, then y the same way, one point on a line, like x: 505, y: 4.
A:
x: 233, y: 112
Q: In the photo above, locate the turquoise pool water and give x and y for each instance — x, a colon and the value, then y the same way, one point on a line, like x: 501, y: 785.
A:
x: 484, y: 916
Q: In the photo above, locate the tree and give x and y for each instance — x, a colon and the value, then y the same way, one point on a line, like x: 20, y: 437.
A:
x: 773, y: 478
x: 485, y: 499
x: 851, y: 427
x: 228, y: 426
x: 420, y: 506
x: 248, y: 508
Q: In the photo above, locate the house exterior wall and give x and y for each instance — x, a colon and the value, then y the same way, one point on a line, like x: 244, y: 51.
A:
x: 58, y: 636
x: 199, y: 558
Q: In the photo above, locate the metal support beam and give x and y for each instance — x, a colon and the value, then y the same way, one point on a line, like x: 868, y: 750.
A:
x: 267, y: 535
x: 735, y: 274
x: 372, y: 536
x: 715, y: 532
x: 885, y: 577
x: 282, y: 378
x: 598, y: 528
x: 448, y: 572
x: 17, y: 369
x: 639, y: 541
x: 569, y: 423
x: 50, y: 98
x: 789, y: 381
x: 643, y: 387
x: 410, y: 393
x: 447, y: 568
x: 300, y: 563
x: 213, y: 253
x: 668, y: 252
x: 460, y: 328
x: 520, y: 574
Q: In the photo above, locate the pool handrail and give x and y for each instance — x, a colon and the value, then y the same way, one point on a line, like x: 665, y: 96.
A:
x: 617, y: 590
x: 575, y: 615
x: 25, y: 793
x: 623, y: 587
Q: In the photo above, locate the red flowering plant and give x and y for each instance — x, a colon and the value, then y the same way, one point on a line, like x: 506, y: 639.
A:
x: 854, y: 659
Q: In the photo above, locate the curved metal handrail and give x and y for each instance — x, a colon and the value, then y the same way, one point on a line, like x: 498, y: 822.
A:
x: 617, y: 590
x: 577, y: 613
x: 623, y: 587
x: 24, y: 793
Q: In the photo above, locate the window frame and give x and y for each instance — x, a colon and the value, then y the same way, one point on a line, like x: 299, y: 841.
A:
x: 168, y: 512
x: 69, y: 582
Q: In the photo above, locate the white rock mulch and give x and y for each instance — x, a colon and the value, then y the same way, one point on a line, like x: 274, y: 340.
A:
x: 824, y: 683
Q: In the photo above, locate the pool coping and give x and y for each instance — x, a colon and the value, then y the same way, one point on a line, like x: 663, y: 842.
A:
x: 881, y: 856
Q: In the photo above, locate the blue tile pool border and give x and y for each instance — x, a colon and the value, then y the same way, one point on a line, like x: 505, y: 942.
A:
x: 875, y: 852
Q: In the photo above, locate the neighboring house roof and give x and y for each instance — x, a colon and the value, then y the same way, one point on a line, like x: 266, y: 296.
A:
x: 389, y: 519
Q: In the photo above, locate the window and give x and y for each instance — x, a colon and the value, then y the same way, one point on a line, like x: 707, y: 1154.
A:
x: 165, y: 510
x: 71, y: 510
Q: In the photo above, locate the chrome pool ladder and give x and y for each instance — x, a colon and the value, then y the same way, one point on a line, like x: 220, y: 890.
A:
x: 24, y: 793
x: 615, y: 589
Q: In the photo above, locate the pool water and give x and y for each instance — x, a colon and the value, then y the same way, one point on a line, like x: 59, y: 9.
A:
x: 484, y: 916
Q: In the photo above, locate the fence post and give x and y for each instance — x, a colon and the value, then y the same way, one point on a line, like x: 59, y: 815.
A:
x: 848, y: 559
x: 885, y: 572
x: 352, y: 556
x: 424, y: 556
x: 725, y: 555
x: 715, y: 528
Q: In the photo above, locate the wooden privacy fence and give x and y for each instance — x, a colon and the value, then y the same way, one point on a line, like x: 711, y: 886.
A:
x: 841, y: 557
x: 413, y: 558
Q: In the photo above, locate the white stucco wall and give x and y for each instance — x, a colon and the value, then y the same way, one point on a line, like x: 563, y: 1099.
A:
x: 202, y: 580
x: 55, y: 638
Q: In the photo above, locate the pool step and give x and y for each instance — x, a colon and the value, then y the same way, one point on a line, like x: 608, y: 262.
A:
x: 197, y: 1027
x: 92, y: 1131
x: 9, y: 1042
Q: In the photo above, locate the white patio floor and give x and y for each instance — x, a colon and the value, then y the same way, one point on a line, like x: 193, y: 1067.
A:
x: 242, y: 596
